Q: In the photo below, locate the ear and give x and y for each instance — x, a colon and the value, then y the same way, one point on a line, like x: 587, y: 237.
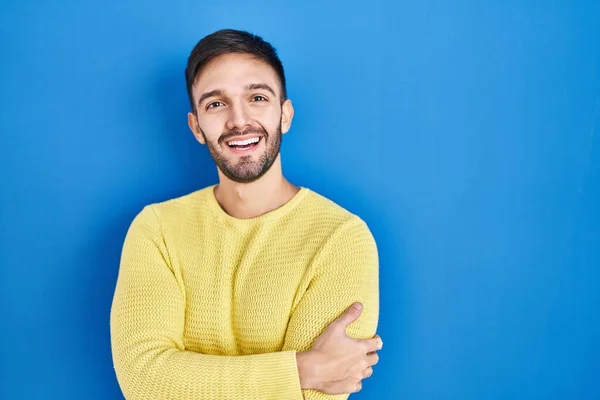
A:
x: 287, y: 113
x: 195, y: 127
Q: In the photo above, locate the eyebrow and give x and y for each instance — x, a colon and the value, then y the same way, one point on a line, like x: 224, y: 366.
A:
x: 255, y: 86
x: 249, y: 87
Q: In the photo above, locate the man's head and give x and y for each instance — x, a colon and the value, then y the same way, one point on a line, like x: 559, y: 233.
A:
x: 236, y: 86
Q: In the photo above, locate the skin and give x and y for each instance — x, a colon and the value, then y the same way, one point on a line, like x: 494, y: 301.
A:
x: 237, y: 95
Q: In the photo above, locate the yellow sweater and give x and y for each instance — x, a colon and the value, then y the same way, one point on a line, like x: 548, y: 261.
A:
x: 208, y: 306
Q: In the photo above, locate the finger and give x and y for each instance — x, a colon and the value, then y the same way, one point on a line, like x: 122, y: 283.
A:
x: 368, y: 372
x: 350, y: 315
x: 372, y: 358
x: 372, y: 344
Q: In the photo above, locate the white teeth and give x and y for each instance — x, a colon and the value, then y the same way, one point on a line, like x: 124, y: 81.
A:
x: 243, y: 142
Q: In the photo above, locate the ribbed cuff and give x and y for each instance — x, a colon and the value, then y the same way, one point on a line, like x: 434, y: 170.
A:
x: 278, y: 374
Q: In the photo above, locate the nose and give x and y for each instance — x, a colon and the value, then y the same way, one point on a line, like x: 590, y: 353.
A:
x: 239, y: 117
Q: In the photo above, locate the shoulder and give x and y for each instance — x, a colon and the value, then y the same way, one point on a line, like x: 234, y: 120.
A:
x: 173, y: 211
x: 326, y: 211
x: 349, y: 247
x: 340, y: 227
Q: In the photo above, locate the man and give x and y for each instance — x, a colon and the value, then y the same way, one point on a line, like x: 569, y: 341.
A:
x: 252, y: 288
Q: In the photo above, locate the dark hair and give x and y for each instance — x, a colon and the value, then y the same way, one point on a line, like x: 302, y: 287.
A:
x: 226, y: 41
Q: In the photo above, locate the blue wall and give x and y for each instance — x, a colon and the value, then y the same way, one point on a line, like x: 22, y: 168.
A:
x: 464, y: 133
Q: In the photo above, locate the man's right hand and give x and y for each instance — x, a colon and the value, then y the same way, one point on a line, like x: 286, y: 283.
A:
x: 336, y: 363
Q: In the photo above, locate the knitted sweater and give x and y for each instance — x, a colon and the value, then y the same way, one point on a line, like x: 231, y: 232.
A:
x: 208, y: 306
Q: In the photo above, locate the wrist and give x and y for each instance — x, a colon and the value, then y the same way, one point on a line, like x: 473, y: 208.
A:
x: 305, y: 370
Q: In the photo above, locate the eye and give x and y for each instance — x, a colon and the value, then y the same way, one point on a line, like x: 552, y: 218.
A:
x: 259, y: 98
x: 214, y: 104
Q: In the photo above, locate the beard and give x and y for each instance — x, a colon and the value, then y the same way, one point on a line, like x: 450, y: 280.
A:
x: 246, y: 169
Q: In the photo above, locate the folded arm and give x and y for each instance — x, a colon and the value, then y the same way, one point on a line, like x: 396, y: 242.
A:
x: 346, y: 271
x: 148, y: 311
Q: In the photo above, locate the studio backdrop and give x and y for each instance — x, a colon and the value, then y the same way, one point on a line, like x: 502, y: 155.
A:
x: 464, y: 133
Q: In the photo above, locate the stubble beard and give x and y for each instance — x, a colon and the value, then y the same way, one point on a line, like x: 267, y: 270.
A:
x: 246, y: 169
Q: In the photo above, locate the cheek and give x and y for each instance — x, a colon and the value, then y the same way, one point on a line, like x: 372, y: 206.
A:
x: 268, y: 117
x: 212, y: 127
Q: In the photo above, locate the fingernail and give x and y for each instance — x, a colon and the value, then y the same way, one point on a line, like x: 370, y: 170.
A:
x: 358, y: 306
x: 380, y: 344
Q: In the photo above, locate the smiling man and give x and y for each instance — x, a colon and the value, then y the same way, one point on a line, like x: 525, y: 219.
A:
x: 252, y: 288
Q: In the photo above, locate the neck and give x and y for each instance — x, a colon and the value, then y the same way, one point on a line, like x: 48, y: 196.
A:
x: 250, y: 200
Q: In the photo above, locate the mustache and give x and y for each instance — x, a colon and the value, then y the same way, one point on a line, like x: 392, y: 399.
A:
x: 236, y: 132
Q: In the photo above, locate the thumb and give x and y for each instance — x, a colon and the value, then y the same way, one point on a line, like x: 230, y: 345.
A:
x: 349, y: 316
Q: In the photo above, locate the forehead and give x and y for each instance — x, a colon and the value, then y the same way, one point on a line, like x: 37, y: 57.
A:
x: 231, y: 72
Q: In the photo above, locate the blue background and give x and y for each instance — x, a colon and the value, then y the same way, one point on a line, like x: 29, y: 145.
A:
x: 465, y: 133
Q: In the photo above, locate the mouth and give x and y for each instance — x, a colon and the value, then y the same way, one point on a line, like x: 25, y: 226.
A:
x: 244, y: 146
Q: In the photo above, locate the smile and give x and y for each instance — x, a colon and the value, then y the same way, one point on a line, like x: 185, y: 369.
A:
x: 244, y: 146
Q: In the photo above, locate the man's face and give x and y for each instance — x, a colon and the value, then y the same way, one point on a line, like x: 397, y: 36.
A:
x: 239, y: 115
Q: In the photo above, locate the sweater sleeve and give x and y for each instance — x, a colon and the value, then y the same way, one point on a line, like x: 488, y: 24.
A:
x: 346, y: 270
x: 146, y: 327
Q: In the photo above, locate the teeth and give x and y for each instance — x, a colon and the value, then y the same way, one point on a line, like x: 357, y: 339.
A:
x: 243, y: 142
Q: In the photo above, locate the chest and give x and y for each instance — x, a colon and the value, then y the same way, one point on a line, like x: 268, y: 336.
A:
x: 240, y: 291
